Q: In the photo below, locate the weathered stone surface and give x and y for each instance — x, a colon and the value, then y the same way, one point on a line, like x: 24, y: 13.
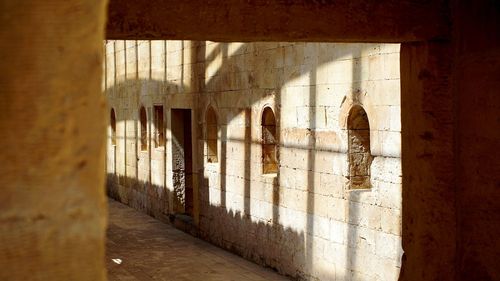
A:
x: 430, y: 213
x: 290, y: 219
x: 303, y: 20
x: 477, y: 165
x: 471, y: 79
x: 139, y: 247
x: 53, y: 121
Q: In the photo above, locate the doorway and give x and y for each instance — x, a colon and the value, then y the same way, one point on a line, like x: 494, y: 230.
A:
x: 182, y: 161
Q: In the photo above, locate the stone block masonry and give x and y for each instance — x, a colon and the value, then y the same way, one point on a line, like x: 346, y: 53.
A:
x: 303, y: 219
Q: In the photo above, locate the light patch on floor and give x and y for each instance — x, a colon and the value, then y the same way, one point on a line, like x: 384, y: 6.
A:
x: 140, y: 248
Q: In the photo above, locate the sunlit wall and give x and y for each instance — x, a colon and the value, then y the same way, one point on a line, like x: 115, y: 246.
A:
x: 305, y: 220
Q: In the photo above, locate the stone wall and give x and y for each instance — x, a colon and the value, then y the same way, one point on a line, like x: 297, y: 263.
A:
x: 304, y: 220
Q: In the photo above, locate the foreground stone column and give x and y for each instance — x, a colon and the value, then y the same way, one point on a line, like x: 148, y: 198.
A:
x: 429, y: 194
x: 52, y: 123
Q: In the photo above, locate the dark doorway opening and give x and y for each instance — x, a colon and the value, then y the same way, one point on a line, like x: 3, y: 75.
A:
x: 182, y: 161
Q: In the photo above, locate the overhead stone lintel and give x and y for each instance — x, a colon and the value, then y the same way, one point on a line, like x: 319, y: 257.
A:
x: 264, y: 20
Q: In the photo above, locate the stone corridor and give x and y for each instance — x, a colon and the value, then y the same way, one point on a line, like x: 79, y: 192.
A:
x: 140, y: 248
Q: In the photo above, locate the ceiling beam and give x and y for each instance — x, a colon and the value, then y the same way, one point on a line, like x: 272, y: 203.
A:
x: 279, y: 20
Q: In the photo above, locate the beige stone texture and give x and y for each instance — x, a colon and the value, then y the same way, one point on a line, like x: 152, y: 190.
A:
x: 449, y: 85
x: 53, y: 122
x: 139, y: 247
x: 298, y: 212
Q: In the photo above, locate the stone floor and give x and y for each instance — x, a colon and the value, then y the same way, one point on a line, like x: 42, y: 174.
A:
x: 142, y: 248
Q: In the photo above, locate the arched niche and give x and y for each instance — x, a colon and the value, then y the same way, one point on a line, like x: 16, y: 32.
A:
x: 112, y: 121
x: 359, y: 153
x: 269, y: 142
x: 143, y: 120
x: 211, y: 138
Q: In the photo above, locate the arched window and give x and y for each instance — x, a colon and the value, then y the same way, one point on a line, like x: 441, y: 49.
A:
x: 159, y: 135
x: 212, y: 129
x: 269, y: 142
x: 143, y: 119
x: 359, y: 148
x: 112, y: 121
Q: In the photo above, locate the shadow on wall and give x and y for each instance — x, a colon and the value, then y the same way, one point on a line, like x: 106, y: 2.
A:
x: 267, y: 243
x: 263, y: 243
x: 132, y: 156
x: 140, y: 195
x: 270, y: 244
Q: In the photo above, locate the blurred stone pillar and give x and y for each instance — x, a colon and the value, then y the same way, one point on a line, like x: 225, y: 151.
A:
x: 427, y: 132
x: 52, y: 124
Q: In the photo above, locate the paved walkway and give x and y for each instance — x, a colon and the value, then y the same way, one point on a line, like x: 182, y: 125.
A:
x: 142, y: 248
